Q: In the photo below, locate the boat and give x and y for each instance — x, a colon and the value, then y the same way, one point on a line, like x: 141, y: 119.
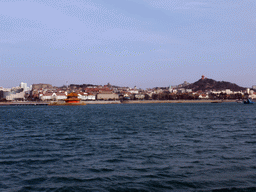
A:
x: 248, y: 101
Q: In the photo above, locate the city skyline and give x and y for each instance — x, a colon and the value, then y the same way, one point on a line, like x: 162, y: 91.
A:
x: 145, y: 43
x: 27, y: 87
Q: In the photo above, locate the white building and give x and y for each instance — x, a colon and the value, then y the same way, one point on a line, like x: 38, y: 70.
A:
x: 24, y: 86
x: 16, y: 93
x: 248, y: 91
x: 86, y: 96
x: 45, y: 96
x: 133, y: 91
x: 203, y: 96
x: 91, y: 97
x: 170, y: 89
x: 140, y: 96
x: 16, y: 96
x: 181, y: 90
x: 82, y: 96
x: 59, y: 96
x: 253, y: 95
x: 52, y: 96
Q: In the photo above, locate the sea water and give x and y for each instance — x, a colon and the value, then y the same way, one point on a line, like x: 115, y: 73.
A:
x: 128, y: 147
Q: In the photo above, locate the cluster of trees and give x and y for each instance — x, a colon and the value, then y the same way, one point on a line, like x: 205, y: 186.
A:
x: 171, y: 96
x: 190, y: 96
x: 226, y: 96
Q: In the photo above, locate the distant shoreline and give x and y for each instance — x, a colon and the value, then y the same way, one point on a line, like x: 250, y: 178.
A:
x: 118, y: 102
x: 176, y: 101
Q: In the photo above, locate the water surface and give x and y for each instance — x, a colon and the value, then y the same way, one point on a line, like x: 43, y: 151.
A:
x: 128, y: 147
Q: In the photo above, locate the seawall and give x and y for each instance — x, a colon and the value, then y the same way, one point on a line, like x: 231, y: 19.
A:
x: 175, y: 101
x: 118, y: 102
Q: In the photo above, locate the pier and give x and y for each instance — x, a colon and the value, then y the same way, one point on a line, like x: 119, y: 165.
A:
x: 22, y: 103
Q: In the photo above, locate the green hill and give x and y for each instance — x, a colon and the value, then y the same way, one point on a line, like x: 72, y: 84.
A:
x: 210, y: 84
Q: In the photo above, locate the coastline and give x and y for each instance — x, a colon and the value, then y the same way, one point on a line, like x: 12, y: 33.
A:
x: 113, y: 102
x: 176, y: 101
x: 23, y: 103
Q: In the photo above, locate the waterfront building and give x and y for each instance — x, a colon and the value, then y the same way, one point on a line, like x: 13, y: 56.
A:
x: 52, y: 96
x: 91, y: 97
x: 86, y: 96
x: 82, y: 96
x: 59, y: 96
x: 15, y: 93
x: 45, y: 96
x: 107, y: 95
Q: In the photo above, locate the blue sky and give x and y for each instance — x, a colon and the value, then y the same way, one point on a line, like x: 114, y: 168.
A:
x: 146, y: 43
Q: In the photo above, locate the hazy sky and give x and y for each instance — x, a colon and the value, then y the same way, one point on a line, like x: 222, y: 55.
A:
x: 146, y: 43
